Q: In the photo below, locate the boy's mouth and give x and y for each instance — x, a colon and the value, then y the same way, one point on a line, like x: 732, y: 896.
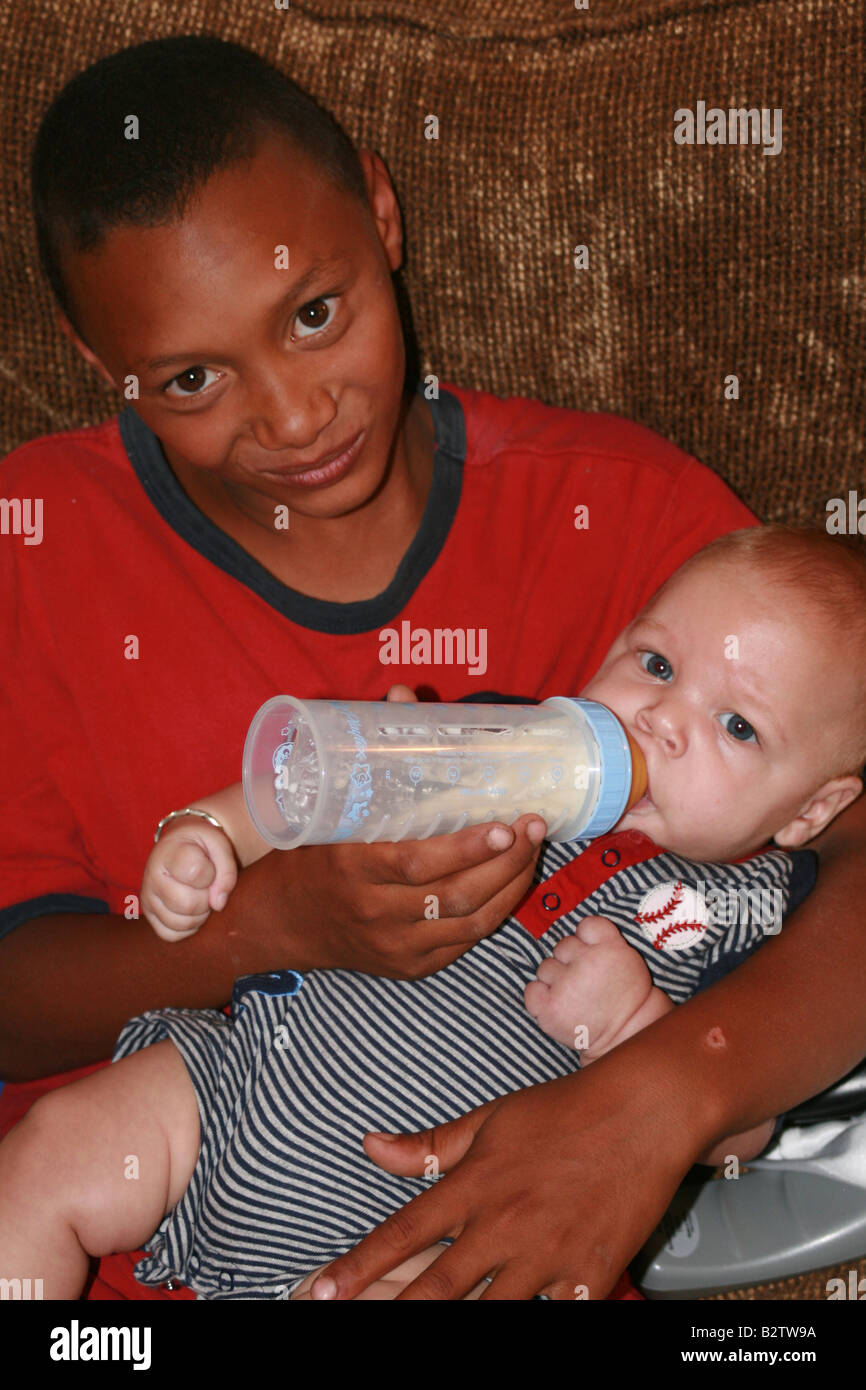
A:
x: 326, y: 470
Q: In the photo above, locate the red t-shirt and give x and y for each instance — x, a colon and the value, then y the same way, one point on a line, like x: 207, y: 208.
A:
x: 139, y: 640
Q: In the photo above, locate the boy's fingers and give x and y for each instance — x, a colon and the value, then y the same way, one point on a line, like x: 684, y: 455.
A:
x: 452, y: 1275
x: 423, y: 1222
x: 484, y: 897
x: 423, y: 863
x: 409, y: 1155
x: 508, y: 1285
x: 402, y: 695
x: 417, y: 863
x: 446, y: 930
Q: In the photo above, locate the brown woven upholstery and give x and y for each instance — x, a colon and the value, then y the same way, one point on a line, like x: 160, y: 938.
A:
x: 556, y: 130
x: 805, y: 1287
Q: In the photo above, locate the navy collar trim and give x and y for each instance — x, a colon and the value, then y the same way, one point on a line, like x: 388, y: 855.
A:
x: 184, y: 517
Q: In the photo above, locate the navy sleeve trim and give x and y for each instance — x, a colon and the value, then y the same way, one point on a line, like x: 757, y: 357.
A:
x: 493, y: 697
x: 804, y: 876
x: 19, y: 913
x: 151, y: 466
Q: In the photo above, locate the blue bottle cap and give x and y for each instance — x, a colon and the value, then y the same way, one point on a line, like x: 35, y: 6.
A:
x: 614, y: 761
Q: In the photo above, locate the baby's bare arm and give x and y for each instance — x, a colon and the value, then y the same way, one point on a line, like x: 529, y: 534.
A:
x: 230, y: 809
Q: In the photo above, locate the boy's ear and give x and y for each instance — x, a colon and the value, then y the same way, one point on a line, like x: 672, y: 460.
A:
x: 384, y: 208
x: 821, y: 808
x: 80, y: 346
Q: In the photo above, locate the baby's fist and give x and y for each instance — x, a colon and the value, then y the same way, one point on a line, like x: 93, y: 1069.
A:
x: 588, y: 989
x: 191, y: 871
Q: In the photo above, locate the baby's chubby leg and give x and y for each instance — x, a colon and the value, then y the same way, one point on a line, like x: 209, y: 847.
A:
x: 94, y: 1167
x: 395, y: 1282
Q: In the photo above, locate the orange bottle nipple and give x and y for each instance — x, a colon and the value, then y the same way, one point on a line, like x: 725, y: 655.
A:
x: 638, y: 773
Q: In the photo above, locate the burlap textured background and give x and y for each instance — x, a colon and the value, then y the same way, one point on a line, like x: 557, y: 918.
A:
x: 555, y: 130
x: 804, y: 1288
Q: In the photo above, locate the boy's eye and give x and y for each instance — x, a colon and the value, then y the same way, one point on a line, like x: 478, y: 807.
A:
x: 311, y: 319
x: 191, y: 382
x: 656, y: 665
x: 315, y: 316
x: 738, y: 727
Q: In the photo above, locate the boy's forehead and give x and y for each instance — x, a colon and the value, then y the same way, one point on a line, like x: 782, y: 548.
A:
x: 271, y: 218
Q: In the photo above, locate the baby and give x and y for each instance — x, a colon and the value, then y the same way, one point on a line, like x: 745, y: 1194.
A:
x: 243, y: 1135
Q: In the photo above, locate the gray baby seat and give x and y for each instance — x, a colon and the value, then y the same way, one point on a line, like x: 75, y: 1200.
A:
x: 800, y: 1206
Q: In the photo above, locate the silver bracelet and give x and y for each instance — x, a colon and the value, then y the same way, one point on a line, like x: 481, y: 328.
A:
x: 188, y: 811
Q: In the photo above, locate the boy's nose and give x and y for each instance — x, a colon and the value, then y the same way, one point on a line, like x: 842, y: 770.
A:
x: 663, y: 724
x: 287, y: 414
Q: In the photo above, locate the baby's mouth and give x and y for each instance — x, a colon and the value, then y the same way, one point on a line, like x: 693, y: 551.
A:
x: 646, y: 802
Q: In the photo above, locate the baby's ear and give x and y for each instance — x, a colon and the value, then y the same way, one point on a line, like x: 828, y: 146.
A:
x: 821, y: 808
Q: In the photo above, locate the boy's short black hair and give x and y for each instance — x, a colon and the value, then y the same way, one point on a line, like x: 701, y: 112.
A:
x: 201, y: 104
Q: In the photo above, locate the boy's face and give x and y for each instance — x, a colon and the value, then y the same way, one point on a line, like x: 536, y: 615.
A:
x: 273, y: 298
x: 724, y: 687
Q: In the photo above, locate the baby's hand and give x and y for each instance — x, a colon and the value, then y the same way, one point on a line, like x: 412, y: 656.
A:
x: 190, y: 871
x: 591, y: 987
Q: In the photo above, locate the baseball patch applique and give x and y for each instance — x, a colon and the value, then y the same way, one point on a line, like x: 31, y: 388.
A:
x: 673, y: 916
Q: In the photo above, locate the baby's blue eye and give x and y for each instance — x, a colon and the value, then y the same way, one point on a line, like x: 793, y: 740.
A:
x: 738, y: 727
x: 656, y: 665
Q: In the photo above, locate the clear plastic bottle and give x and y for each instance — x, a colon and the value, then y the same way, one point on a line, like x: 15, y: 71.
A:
x: 327, y: 771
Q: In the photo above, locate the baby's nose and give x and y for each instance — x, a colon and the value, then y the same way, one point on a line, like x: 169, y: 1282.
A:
x: 663, y: 723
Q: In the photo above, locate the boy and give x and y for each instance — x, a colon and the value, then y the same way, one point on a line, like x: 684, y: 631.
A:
x: 258, y: 1162
x: 167, y: 520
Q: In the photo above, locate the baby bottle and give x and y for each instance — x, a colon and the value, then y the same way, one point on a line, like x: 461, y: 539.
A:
x: 325, y: 771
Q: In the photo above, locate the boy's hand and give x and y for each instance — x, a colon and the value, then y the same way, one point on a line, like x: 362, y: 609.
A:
x: 402, y: 910
x: 189, y: 872
x: 549, y: 1190
x: 590, y: 988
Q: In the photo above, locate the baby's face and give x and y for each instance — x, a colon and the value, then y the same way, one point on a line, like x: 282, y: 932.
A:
x: 733, y: 696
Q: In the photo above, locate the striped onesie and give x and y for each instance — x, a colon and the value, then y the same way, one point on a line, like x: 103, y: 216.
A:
x: 304, y: 1066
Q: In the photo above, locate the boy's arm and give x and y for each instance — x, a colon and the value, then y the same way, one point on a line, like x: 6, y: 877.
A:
x: 745, y: 1145
x: 70, y: 980
x: 786, y: 1024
